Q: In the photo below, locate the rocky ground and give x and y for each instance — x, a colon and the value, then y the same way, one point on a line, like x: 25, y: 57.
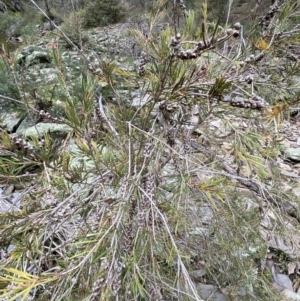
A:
x: 213, y: 141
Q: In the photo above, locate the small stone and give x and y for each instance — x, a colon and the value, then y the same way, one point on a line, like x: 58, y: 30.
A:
x: 293, y: 153
x: 220, y: 129
x: 266, y: 222
x: 289, y: 174
x: 8, y: 190
x: 226, y: 146
x: 290, y: 295
x: 208, y: 291
x: 229, y: 31
x: 285, y: 143
x: 285, y: 167
x: 296, y: 191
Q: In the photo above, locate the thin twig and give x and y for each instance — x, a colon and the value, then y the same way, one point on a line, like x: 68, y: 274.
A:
x: 105, y: 117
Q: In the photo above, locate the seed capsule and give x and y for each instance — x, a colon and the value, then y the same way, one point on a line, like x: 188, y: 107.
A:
x: 237, y: 26
x: 229, y: 31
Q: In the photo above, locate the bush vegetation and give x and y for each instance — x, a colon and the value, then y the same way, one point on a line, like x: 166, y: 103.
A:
x: 102, y: 13
x: 121, y: 208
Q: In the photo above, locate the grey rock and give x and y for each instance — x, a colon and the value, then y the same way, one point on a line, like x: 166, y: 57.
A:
x: 210, y: 292
x: 26, y: 123
x: 197, y: 274
x: 292, y: 153
x: 282, y: 282
x: 220, y: 129
x: 289, y: 174
x: 32, y: 55
x: 266, y: 222
x: 10, y: 115
x: 102, y: 38
x: 15, y: 5
x: 3, y: 7
x: 8, y: 190
x: 282, y: 243
x: 10, y: 121
x: 203, y: 225
x: 227, y: 97
x: 290, y: 295
x: 9, y: 200
x: 53, y: 129
x: 48, y: 26
x: 82, y: 163
x: 296, y: 191
x: 139, y: 100
x: 78, y: 160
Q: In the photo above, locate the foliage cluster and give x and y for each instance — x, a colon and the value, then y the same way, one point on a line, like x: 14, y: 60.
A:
x: 8, y: 86
x: 73, y: 26
x: 102, y: 13
x: 10, y: 24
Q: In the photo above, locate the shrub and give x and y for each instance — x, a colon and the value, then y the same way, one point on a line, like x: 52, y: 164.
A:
x: 102, y: 13
x: 8, y: 86
x: 130, y: 207
x: 72, y: 27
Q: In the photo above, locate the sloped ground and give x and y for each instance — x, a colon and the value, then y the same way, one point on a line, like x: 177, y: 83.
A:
x: 217, y: 203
